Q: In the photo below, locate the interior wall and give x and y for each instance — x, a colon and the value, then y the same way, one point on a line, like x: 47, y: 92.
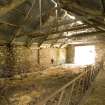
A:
x: 26, y: 58
x: 19, y: 59
x: 100, y: 52
x: 62, y: 56
x: 70, y: 54
x: 58, y: 55
x: 23, y: 59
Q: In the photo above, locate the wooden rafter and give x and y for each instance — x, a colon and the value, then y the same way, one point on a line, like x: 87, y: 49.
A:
x: 9, y: 24
x: 43, y: 34
x: 19, y: 30
x: 103, y: 5
x: 54, y: 41
x: 14, y: 4
x: 82, y: 16
x: 80, y: 34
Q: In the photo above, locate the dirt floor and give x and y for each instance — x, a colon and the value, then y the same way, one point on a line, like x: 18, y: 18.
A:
x: 36, y: 86
x: 97, y: 96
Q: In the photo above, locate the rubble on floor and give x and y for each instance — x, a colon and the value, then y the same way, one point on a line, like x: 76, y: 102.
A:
x: 35, y: 87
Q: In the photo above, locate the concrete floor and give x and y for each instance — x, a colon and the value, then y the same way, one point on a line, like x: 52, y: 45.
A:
x: 97, y: 96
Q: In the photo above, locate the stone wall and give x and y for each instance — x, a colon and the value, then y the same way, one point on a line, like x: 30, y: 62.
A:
x: 59, y: 56
x: 2, y: 58
x: 20, y: 59
x: 70, y: 54
x: 100, y: 52
x: 16, y: 60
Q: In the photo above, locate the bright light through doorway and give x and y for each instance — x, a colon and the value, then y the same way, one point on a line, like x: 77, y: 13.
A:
x: 85, y: 55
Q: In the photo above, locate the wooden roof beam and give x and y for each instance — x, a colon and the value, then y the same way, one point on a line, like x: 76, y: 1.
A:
x: 78, y: 35
x: 11, y: 6
x: 9, y: 24
x: 42, y: 34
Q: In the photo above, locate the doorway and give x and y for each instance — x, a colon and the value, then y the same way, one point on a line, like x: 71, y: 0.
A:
x: 85, y: 55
